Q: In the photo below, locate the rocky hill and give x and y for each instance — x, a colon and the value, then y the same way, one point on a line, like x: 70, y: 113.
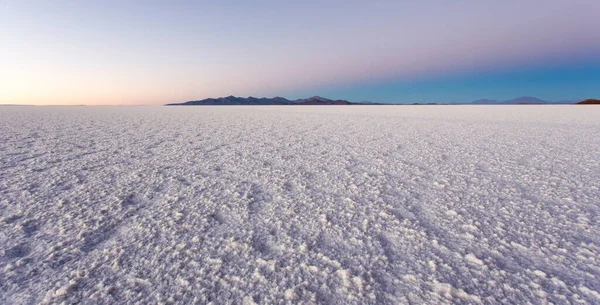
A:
x: 232, y: 100
x: 590, y: 101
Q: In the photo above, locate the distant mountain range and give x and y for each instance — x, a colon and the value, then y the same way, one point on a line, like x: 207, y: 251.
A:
x: 524, y: 100
x: 232, y: 100
x: 317, y: 100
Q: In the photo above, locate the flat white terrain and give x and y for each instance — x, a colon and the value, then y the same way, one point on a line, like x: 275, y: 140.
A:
x: 286, y: 204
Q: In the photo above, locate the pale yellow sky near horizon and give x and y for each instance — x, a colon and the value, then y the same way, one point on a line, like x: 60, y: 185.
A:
x: 157, y: 52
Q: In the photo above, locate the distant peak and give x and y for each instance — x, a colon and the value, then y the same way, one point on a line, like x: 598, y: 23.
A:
x: 232, y: 100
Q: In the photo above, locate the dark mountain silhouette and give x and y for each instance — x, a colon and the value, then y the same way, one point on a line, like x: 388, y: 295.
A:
x: 590, y: 101
x: 317, y: 100
x: 232, y: 100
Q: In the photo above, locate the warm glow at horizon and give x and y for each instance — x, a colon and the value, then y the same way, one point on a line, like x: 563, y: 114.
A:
x: 93, y: 53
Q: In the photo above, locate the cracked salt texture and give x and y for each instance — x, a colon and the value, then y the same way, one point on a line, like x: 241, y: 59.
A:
x: 332, y: 205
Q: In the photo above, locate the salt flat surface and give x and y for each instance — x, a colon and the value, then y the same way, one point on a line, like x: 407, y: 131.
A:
x: 335, y: 205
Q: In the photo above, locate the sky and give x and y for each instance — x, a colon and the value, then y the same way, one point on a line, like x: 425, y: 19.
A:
x: 146, y: 52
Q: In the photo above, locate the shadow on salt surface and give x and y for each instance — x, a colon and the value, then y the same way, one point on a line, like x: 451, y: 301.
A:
x: 130, y: 206
x: 29, y: 228
x: 17, y: 251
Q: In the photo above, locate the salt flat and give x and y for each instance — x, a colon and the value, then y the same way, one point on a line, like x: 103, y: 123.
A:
x: 284, y: 204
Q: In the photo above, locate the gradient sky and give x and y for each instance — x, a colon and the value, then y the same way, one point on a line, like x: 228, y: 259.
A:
x: 156, y: 52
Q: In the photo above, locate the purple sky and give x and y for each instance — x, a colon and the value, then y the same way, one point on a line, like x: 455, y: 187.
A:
x: 156, y: 52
